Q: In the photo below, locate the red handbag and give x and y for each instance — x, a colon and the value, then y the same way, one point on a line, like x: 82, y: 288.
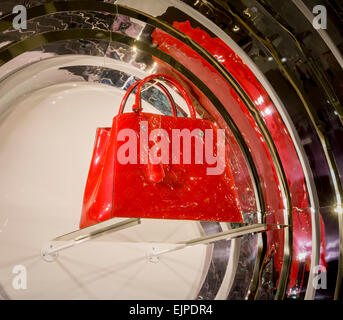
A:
x: 142, y: 166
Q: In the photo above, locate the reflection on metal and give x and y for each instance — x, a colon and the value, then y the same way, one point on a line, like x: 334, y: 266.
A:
x: 320, y: 76
x: 314, y: 202
x: 209, y: 19
x: 326, y: 38
x: 279, y: 169
x: 280, y: 107
x: 224, y: 235
x: 280, y: 172
x: 233, y: 233
x: 281, y: 290
x: 98, y: 229
x: 319, y: 126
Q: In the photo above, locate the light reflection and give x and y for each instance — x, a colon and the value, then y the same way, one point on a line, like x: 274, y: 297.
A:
x: 236, y: 28
x: 152, y: 70
x: 268, y: 111
x: 339, y: 209
x: 302, y: 256
x: 219, y: 58
x: 259, y: 100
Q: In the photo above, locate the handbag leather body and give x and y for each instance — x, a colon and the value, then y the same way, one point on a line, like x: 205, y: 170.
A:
x: 146, y: 187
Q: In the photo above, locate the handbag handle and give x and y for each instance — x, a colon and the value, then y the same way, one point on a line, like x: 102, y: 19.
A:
x: 163, y: 88
x: 170, y: 80
x: 155, y: 171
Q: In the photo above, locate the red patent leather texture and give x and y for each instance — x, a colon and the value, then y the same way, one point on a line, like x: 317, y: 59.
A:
x: 162, y: 191
x: 185, y: 192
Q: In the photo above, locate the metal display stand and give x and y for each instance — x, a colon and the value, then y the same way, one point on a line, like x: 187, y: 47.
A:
x: 50, y: 251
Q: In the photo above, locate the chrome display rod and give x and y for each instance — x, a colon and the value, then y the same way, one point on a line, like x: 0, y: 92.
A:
x: 224, y: 235
x: 49, y: 252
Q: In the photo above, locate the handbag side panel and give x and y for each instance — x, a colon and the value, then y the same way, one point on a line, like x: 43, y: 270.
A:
x: 93, y: 199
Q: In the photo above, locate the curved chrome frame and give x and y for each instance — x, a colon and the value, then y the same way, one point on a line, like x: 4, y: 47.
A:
x: 330, y: 158
x: 310, y: 291
x: 328, y: 41
x: 252, y: 110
